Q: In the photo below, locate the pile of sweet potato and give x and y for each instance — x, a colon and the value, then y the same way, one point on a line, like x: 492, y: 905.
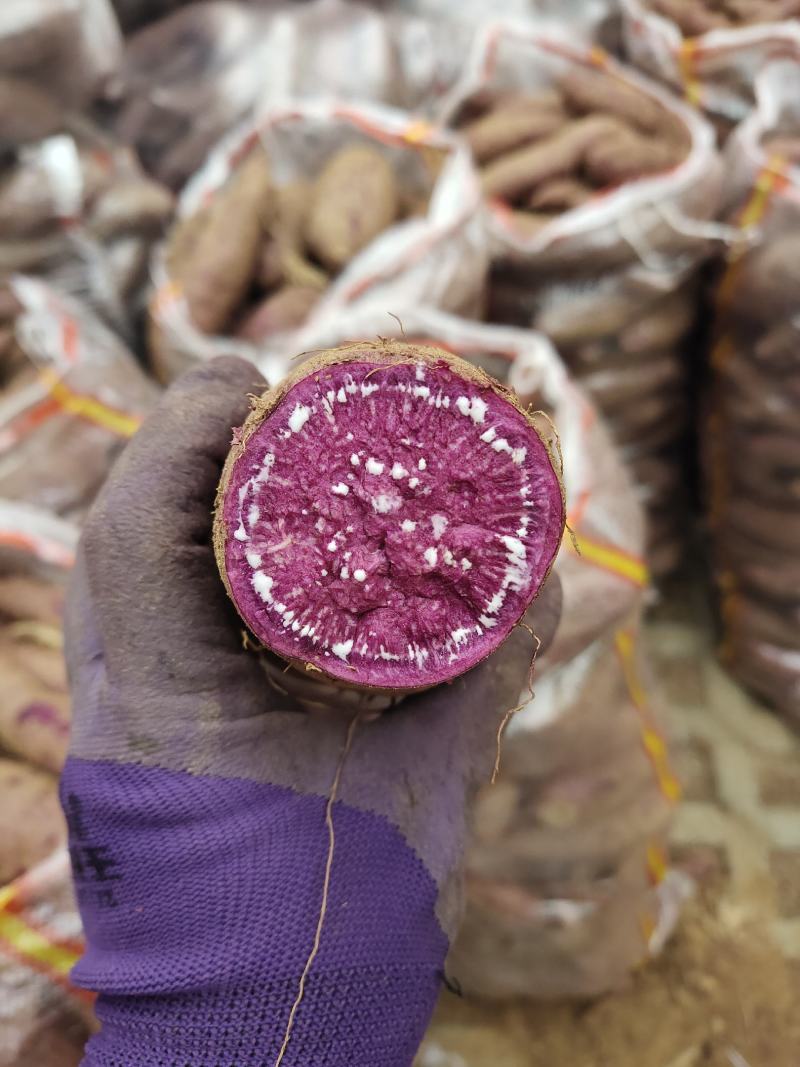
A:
x: 65, y: 416
x: 702, y: 16
x: 34, y: 718
x: 547, y: 152
x: 753, y: 445
x: 256, y: 260
x: 544, y: 154
x: 70, y: 197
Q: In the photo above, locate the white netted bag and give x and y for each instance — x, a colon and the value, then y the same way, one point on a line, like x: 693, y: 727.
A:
x: 715, y: 70
x: 437, y: 258
x: 67, y: 47
x: 611, y: 280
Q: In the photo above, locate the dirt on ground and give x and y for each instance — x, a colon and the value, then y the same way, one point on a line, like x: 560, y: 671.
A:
x: 720, y: 996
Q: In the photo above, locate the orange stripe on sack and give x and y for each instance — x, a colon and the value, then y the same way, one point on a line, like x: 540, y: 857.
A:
x: 29, y: 420
x: 608, y: 558
x: 657, y: 863
x: 90, y: 408
x: 49, y: 551
x: 31, y: 947
x: 770, y: 179
x: 652, y: 740
x: 687, y: 56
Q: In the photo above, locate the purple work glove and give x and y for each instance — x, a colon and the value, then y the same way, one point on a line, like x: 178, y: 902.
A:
x: 196, y: 794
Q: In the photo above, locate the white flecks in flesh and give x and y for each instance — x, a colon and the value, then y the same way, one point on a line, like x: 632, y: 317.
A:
x: 262, y: 583
x: 299, y: 417
x: 383, y: 503
x: 439, y: 524
x: 473, y: 408
x: 496, y: 578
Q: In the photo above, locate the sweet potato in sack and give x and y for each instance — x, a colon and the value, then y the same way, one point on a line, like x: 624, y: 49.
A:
x: 341, y: 180
x: 81, y: 398
x: 547, y: 876
x: 189, y: 78
x: 710, y: 53
x: 34, y: 706
x: 43, y: 1019
x: 31, y: 821
x: 65, y: 48
x: 604, y: 266
x: 752, y: 446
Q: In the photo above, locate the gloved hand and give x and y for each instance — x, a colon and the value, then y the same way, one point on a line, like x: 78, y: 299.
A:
x: 196, y: 795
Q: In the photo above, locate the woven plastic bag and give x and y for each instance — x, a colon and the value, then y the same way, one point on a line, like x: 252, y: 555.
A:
x: 66, y: 48
x: 76, y: 208
x: 753, y: 426
x: 72, y: 396
x: 44, y: 1020
x: 174, y: 100
x: 714, y: 69
x: 435, y: 255
x: 609, y: 281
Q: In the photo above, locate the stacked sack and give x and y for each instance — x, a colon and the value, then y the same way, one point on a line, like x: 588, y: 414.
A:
x: 190, y: 77
x: 753, y: 431
x: 36, y: 551
x: 72, y: 395
x: 711, y: 50
x: 567, y: 882
x: 64, y: 48
x: 600, y: 189
x: 75, y: 207
x: 314, y: 210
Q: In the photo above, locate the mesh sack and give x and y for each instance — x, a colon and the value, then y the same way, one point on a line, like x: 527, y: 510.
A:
x: 752, y: 438
x: 611, y: 279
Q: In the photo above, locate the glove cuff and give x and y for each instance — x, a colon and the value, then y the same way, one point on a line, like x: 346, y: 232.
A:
x: 346, y: 1019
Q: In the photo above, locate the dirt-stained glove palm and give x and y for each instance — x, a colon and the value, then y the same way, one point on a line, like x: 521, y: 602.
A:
x: 196, y: 795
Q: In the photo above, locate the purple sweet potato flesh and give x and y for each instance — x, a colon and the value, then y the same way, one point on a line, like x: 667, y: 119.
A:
x: 389, y: 523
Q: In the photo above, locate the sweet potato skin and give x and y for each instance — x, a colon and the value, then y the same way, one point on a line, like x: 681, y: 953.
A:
x: 218, y: 273
x: 354, y: 199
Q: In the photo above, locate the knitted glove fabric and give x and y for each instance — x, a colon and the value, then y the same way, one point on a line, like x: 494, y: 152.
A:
x: 196, y: 796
